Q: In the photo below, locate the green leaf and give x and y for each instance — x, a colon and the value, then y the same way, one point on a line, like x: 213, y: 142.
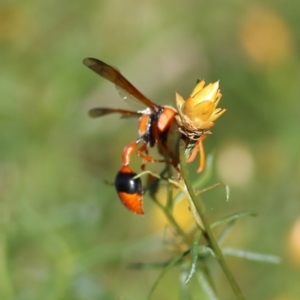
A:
x: 208, y: 230
x: 234, y: 217
x: 254, y: 256
x: 227, y: 190
x: 194, y: 256
x: 226, y: 232
x: 214, y: 186
x: 184, y: 291
x: 201, y: 180
x: 206, y: 287
x: 231, y: 219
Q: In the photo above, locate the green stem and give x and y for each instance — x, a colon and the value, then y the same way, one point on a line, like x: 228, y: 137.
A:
x: 169, y: 205
x: 201, y: 211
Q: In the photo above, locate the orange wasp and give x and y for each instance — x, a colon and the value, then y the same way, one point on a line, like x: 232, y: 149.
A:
x: 157, y: 126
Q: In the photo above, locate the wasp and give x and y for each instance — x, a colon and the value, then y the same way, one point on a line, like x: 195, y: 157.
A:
x: 157, y: 126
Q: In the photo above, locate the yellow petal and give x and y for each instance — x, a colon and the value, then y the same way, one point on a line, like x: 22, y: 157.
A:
x: 179, y: 121
x: 202, y: 125
x: 189, y: 105
x: 217, y: 114
x: 218, y: 98
x: 204, y: 110
x: 208, y: 93
x: 179, y: 101
x: 198, y: 88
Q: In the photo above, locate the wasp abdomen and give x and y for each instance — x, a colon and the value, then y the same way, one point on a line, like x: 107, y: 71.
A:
x: 130, y: 190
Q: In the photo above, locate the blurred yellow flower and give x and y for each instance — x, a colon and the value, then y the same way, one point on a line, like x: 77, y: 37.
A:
x: 294, y: 243
x: 198, y: 113
x: 265, y: 36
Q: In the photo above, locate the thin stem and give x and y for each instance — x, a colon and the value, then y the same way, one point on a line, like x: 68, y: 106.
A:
x: 201, y: 211
x: 169, y: 204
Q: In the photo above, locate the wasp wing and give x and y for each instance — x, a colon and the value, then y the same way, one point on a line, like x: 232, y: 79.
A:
x: 113, y: 75
x: 103, y: 111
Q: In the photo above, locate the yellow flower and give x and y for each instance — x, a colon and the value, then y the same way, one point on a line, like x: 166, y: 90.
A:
x: 196, y: 116
x: 198, y: 113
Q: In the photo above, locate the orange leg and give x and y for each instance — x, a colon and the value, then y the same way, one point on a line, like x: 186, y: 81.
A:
x: 129, y: 149
x: 194, y: 153
x: 143, y: 154
x: 202, y: 154
x: 198, y: 147
x: 127, y: 152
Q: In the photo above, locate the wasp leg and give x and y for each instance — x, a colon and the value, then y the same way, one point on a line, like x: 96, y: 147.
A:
x: 194, y: 153
x: 142, y: 152
x: 198, y: 147
x: 201, y: 152
x: 127, y: 152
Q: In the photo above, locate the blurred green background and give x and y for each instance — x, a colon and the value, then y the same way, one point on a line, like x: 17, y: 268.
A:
x: 64, y: 233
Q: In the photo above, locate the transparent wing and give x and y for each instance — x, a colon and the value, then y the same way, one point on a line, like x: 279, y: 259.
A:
x: 126, y: 89
x: 103, y: 111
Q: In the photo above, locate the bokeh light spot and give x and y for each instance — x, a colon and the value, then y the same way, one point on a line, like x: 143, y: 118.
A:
x: 265, y: 36
x: 235, y: 165
x: 294, y: 242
